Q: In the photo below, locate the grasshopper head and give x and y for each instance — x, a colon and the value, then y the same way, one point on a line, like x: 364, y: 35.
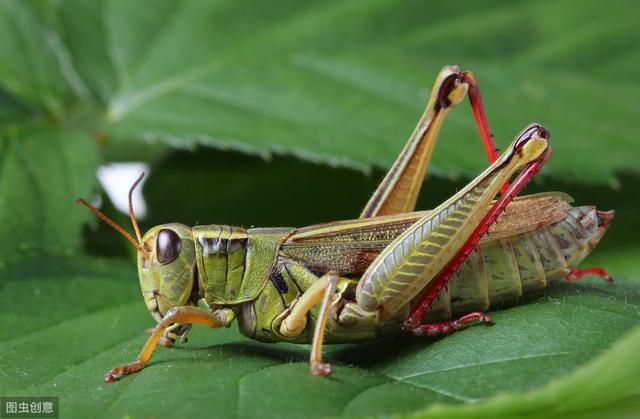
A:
x: 166, y: 261
x: 166, y: 267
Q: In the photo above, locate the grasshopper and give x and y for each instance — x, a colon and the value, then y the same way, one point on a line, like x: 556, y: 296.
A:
x: 391, y: 271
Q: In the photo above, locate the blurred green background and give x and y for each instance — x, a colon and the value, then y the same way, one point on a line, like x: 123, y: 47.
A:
x: 288, y: 113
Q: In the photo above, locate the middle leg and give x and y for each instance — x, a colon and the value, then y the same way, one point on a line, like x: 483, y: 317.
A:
x: 323, y: 289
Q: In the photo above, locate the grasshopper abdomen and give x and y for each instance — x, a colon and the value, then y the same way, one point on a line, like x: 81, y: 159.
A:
x: 499, y: 272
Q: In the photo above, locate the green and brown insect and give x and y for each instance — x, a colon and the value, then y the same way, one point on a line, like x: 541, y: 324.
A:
x: 392, y: 270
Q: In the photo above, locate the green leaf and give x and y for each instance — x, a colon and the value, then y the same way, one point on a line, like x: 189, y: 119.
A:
x: 338, y: 82
x: 612, y: 377
x: 42, y: 171
x: 77, y: 318
x: 34, y: 68
x: 81, y: 317
x: 341, y: 82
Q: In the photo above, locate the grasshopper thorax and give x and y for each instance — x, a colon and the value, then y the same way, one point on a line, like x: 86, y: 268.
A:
x: 166, y: 267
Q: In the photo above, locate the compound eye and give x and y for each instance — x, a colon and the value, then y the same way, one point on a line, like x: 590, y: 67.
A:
x: 168, y: 246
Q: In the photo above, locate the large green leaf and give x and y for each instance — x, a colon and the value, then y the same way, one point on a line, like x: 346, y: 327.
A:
x: 32, y: 69
x: 79, y: 318
x: 340, y: 82
x: 43, y: 169
x: 71, y: 322
x: 612, y: 377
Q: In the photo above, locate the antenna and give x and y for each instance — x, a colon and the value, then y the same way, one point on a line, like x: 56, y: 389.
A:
x: 131, y: 214
x: 137, y: 244
x: 110, y: 222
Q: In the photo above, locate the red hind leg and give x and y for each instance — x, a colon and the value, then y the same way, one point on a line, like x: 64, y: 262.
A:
x: 447, y: 328
x: 477, y: 106
x: 576, y: 274
x: 417, y: 312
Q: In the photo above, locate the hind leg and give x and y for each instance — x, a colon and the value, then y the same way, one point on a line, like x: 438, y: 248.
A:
x: 441, y: 240
x: 462, y: 253
x: 576, y: 274
x: 447, y: 328
x: 398, y: 191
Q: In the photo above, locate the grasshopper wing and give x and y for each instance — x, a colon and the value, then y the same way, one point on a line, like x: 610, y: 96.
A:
x: 348, y: 247
x: 530, y: 212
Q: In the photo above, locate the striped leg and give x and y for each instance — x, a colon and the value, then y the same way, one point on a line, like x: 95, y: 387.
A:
x: 415, y: 258
x: 417, y: 313
x: 398, y: 191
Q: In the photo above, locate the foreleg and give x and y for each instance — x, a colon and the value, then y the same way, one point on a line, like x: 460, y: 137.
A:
x: 191, y: 315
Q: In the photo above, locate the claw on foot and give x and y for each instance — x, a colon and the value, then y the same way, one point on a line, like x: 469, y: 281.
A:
x: 319, y: 368
x: 166, y: 342
x: 409, y: 325
x: 115, y: 373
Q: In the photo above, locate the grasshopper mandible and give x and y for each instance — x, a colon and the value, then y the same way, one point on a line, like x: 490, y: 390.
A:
x: 388, y: 272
